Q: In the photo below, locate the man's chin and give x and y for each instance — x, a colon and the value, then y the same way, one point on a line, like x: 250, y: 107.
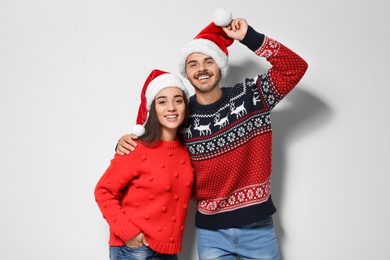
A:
x: 204, y: 89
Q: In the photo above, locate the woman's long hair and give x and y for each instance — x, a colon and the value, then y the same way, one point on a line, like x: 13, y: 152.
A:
x: 153, y: 128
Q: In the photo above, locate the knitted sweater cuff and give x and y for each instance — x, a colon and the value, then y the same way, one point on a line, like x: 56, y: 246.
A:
x: 253, y: 40
x: 127, y: 232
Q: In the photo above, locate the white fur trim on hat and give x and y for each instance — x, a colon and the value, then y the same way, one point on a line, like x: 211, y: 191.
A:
x: 163, y: 81
x: 206, y: 47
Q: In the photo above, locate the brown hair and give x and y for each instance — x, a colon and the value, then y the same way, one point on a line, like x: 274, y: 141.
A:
x: 153, y: 129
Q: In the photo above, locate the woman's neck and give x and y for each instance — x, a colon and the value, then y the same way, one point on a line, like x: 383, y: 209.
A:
x: 168, y: 134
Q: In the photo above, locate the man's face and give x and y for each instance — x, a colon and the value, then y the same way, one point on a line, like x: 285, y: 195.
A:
x: 202, y: 72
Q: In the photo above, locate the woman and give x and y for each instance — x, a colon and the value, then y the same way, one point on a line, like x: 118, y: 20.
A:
x: 144, y: 195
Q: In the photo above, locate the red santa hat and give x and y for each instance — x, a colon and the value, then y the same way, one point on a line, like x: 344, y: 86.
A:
x: 213, y: 41
x: 155, y: 82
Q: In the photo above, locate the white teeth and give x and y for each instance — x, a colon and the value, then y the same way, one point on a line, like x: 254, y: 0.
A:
x: 171, y: 117
x: 203, y: 77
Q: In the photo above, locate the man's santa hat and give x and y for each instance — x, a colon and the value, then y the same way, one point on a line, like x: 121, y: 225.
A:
x: 156, y: 81
x: 213, y: 41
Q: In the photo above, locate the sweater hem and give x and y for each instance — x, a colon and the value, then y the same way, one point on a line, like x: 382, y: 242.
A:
x: 236, y: 218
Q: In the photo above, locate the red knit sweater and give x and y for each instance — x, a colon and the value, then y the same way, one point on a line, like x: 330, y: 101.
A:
x: 147, y: 191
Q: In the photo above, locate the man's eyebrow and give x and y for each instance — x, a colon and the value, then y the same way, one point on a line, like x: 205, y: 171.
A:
x: 191, y: 61
x: 205, y: 59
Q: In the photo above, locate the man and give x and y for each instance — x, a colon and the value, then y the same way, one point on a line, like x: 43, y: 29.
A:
x: 230, y: 139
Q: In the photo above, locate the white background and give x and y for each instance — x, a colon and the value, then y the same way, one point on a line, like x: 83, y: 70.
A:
x: 70, y: 77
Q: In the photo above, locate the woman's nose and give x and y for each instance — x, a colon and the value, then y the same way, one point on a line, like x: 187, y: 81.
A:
x: 171, y: 106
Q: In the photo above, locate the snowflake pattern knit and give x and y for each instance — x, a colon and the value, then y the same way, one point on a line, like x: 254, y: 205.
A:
x: 230, y: 141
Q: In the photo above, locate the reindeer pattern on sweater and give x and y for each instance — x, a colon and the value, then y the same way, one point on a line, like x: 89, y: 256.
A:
x: 230, y: 142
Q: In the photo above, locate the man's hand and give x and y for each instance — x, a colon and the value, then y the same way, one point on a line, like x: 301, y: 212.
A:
x: 236, y: 29
x: 126, y: 144
x: 137, y: 241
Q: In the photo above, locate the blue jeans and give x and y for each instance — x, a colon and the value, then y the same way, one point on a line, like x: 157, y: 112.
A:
x: 141, y: 253
x: 254, y: 241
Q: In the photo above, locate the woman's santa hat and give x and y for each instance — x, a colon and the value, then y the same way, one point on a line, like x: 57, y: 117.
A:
x: 213, y: 41
x: 155, y: 82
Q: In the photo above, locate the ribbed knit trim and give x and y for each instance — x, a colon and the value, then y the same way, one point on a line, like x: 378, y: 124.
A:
x: 169, y: 144
x: 253, y: 40
x: 165, y: 248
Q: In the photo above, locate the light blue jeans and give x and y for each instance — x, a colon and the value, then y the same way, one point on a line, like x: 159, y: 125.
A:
x: 254, y: 241
x: 141, y: 253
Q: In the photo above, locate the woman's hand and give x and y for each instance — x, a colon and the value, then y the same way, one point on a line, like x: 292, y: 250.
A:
x: 137, y: 241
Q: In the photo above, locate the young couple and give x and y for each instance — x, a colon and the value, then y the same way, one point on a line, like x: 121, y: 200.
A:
x: 145, y: 191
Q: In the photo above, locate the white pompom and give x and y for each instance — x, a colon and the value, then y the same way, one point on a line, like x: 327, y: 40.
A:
x: 222, y: 17
x: 138, y: 130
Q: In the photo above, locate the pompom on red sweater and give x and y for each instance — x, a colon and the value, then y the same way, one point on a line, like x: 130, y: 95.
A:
x: 147, y: 191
